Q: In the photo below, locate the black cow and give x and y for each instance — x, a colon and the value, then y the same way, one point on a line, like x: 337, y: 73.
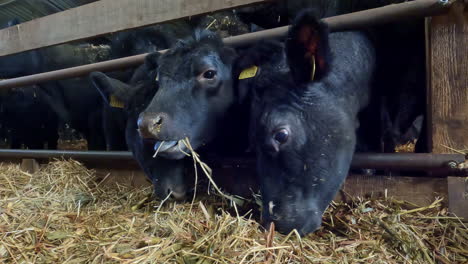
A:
x: 74, y: 101
x: 148, y: 39
x: 29, y: 120
x: 24, y: 63
x: 304, y: 120
x: 26, y: 119
x: 196, y: 99
x: 128, y: 43
x: 77, y: 103
x: 401, y: 82
x: 167, y: 176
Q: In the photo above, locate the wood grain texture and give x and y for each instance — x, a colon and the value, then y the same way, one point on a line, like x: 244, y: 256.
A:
x: 128, y: 177
x: 240, y: 179
x: 29, y: 165
x: 102, y: 17
x: 448, y: 87
x: 448, y: 94
x: 418, y: 190
x: 458, y: 196
x: 421, y: 191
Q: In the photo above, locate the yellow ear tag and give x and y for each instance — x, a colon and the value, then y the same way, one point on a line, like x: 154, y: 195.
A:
x: 114, y: 102
x: 312, y: 62
x: 157, y: 78
x: 248, y: 73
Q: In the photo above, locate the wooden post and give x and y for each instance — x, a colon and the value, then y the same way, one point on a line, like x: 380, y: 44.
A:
x: 29, y: 165
x: 447, y: 55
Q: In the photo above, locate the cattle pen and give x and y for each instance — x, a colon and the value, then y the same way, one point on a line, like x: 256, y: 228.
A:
x: 441, y: 179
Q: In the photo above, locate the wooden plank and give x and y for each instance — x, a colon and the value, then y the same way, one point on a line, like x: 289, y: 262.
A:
x: 421, y: 191
x: 418, y: 190
x: 458, y: 195
x: 29, y: 165
x: 128, y: 177
x: 102, y: 17
x: 241, y: 180
x: 448, y: 94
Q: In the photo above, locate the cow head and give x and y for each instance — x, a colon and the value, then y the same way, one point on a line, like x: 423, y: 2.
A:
x: 195, y: 91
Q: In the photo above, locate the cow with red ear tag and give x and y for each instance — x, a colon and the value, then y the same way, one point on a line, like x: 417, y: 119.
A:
x: 305, y: 102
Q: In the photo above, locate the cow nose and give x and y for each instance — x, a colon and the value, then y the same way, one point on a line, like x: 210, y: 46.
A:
x: 149, y: 125
x: 179, y: 196
x: 177, y: 193
x: 288, y: 218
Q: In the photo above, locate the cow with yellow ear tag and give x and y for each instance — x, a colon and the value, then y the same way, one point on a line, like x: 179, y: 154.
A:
x: 306, y: 97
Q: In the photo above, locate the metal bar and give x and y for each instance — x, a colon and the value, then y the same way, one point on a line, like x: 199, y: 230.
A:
x: 395, y: 12
x: 67, y: 154
x: 110, y: 65
x: 440, y: 163
x: 356, y: 20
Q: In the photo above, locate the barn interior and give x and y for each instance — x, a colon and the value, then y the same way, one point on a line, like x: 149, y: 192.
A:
x: 69, y: 194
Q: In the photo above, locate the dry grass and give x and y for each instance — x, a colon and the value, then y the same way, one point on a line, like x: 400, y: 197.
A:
x: 61, y: 215
x: 81, y: 144
x: 408, y: 147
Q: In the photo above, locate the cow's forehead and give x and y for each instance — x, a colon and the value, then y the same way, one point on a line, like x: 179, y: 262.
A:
x: 184, y: 61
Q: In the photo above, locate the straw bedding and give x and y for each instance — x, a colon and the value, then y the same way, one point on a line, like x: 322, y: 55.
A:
x: 62, y: 215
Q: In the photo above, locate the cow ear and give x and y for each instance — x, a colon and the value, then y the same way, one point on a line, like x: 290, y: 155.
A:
x: 151, y: 66
x: 264, y: 52
x: 307, y: 48
x: 114, y: 92
x: 249, y: 63
x: 414, y: 130
x: 151, y: 60
x: 228, y: 55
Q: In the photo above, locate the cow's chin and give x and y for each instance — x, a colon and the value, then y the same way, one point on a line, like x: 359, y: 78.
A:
x: 174, y: 150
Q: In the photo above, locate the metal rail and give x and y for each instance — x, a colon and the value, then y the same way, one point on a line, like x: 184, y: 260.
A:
x: 440, y: 164
x: 448, y: 164
x: 394, y: 12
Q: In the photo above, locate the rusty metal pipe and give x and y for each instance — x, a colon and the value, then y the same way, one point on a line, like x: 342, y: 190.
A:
x: 436, y: 163
x: 447, y: 164
x: 395, y: 12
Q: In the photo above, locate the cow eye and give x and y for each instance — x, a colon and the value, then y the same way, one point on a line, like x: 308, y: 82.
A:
x: 281, y: 135
x: 210, y: 74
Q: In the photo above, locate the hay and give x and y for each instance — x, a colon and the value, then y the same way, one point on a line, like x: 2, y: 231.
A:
x: 61, y: 215
x: 80, y: 144
x: 408, y: 147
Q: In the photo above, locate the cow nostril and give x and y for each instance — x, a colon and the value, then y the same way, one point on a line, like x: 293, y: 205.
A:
x: 158, y: 120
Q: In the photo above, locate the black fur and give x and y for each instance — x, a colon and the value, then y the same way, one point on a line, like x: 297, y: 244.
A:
x: 300, y: 177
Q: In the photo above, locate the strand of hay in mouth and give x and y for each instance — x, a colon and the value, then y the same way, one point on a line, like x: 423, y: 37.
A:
x: 157, y: 150
x: 208, y: 173
x: 62, y: 215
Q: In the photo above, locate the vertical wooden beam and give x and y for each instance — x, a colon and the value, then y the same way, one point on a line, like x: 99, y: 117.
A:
x: 448, y: 94
x: 29, y: 165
